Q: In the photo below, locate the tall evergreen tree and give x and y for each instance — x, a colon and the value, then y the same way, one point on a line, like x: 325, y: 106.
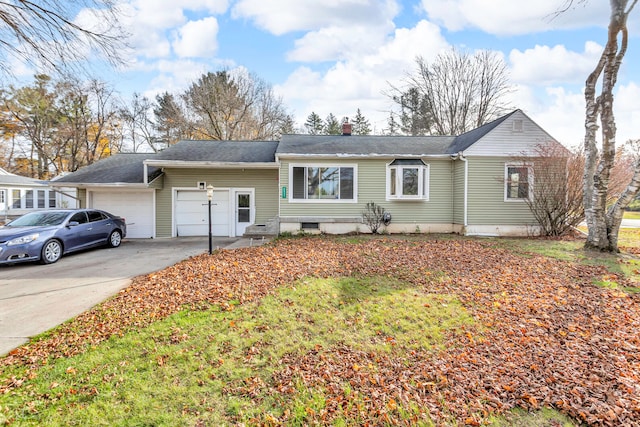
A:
x: 393, y: 128
x: 314, y: 124
x: 332, y: 126
x: 170, y: 121
x: 361, y: 125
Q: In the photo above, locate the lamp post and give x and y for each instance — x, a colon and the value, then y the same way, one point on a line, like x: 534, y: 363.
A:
x: 210, y: 198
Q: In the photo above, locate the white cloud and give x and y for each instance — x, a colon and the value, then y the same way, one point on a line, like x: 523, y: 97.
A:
x: 513, y: 17
x: 361, y: 80
x: 149, y: 21
x: 163, y: 14
x: 561, y: 112
x: 332, y: 43
x: 197, y: 38
x: 626, y: 111
x: 284, y: 16
x: 552, y: 65
x: 174, y: 76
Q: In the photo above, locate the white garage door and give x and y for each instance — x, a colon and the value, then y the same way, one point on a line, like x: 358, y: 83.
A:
x: 192, y: 209
x: 136, y: 207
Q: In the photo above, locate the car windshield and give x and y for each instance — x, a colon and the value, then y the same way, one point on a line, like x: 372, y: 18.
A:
x: 36, y: 219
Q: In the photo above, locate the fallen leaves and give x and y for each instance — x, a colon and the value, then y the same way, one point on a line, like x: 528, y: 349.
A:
x: 545, y: 335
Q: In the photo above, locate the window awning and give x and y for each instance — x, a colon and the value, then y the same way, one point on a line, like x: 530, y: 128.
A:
x: 408, y: 162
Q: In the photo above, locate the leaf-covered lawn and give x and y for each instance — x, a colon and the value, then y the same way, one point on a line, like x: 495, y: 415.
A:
x: 535, y: 332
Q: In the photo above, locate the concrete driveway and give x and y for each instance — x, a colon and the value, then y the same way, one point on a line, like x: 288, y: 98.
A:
x: 35, y: 298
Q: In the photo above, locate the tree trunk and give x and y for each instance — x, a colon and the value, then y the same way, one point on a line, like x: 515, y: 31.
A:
x: 604, y: 224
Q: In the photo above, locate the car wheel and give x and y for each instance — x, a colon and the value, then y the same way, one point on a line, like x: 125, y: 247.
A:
x: 115, y: 238
x: 51, y: 252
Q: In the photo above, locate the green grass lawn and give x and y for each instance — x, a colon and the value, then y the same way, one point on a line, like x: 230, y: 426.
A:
x: 315, y: 347
x: 212, y: 365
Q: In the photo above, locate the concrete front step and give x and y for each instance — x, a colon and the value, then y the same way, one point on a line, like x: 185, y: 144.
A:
x: 270, y: 229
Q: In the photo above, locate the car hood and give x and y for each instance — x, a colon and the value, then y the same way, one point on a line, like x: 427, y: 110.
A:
x: 11, y: 232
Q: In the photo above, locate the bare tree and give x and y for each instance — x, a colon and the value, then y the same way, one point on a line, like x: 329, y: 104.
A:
x: 556, y: 195
x: 137, y: 124
x: 455, y: 93
x: 57, y: 34
x: 234, y: 106
x: 374, y: 217
x: 603, y: 220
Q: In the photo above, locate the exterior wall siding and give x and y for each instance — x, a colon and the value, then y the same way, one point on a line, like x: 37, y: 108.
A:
x: 371, y: 187
x: 486, y: 204
x: 458, y: 192
x: 504, y: 140
x: 264, y: 181
x: 82, y: 197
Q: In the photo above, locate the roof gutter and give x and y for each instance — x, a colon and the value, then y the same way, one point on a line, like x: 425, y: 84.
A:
x: 206, y: 164
x: 360, y: 156
x: 100, y: 185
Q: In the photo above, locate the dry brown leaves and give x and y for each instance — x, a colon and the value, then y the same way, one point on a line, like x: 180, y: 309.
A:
x: 545, y: 336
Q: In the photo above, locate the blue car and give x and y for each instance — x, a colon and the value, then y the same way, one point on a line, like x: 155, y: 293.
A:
x: 47, y: 235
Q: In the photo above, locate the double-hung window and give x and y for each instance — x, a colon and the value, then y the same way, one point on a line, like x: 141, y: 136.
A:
x: 518, y: 182
x: 323, y: 183
x: 408, y: 179
x: 16, y: 199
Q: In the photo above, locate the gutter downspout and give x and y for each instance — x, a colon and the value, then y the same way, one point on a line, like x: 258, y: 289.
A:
x: 460, y: 156
x: 6, y: 204
x: 466, y: 186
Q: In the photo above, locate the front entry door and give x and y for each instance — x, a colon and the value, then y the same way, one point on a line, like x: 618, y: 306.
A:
x: 243, y: 211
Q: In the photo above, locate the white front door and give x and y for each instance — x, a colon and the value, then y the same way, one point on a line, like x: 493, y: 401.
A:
x: 244, y: 211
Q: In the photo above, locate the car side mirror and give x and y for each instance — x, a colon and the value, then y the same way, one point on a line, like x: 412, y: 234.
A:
x: 73, y: 223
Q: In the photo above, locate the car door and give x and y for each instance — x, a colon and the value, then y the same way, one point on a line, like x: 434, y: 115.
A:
x: 77, y: 233
x: 101, y: 225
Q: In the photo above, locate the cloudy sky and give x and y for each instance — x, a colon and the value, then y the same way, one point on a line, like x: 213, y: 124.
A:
x: 334, y: 56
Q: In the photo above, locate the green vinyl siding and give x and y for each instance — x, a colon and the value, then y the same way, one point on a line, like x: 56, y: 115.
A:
x: 157, y: 183
x: 264, y: 181
x: 486, y: 204
x: 458, y: 192
x: 371, y: 187
x: 82, y: 197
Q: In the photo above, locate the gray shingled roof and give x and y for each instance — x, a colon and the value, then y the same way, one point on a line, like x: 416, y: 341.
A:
x: 120, y: 168
x: 373, y: 145
x: 221, y: 151
x: 467, y: 139
x: 364, y: 145
x: 128, y: 168
x: 11, y: 179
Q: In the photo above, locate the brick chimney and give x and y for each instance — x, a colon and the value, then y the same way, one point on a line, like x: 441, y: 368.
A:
x: 346, y: 128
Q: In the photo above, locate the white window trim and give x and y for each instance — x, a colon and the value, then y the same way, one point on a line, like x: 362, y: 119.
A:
x: 424, y: 179
x: 323, y: 165
x: 506, y: 181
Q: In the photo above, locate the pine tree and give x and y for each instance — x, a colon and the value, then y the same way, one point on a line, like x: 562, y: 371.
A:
x: 393, y: 126
x: 361, y: 125
x: 332, y: 125
x: 314, y: 124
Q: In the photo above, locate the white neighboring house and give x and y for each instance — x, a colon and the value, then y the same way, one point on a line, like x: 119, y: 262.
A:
x: 19, y: 195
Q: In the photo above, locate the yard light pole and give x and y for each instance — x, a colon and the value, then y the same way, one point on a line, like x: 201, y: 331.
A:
x: 210, y: 198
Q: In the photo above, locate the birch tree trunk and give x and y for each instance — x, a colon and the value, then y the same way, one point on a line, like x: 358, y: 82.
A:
x: 603, y: 223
